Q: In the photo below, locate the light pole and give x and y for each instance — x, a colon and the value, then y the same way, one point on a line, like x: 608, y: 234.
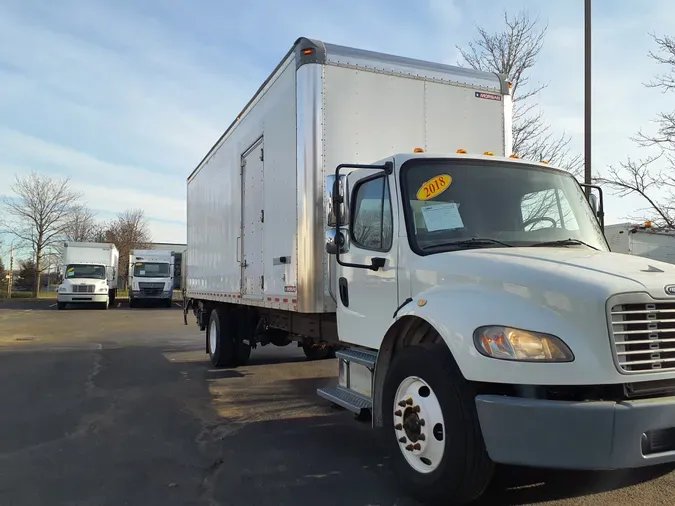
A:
x: 587, y: 94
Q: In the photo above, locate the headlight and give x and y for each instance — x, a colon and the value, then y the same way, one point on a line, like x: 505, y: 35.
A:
x: 103, y: 289
x: 520, y: 345
x: 62, y: 289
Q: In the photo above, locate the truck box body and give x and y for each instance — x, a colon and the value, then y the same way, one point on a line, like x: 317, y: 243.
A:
x: 648, y: 242
x: 255, y: 204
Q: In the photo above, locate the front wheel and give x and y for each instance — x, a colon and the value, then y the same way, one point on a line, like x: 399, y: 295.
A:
x: 432, y: 427
x: 60, y: 305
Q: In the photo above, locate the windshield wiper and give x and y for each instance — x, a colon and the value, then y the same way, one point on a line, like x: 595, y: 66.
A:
x: 474, y: 241
x: 565, y: 242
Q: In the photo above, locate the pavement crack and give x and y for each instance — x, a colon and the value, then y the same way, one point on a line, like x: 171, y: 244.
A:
x: 89, y: 385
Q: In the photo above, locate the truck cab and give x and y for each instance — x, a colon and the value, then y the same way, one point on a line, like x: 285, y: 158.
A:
x: 151, y: 277
x: 482, y: 303
x: 84, y: 283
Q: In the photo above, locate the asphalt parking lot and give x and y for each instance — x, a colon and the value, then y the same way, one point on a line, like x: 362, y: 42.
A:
x: 121, y: 407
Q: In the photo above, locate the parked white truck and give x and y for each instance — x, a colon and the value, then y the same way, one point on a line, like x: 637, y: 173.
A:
x: 482, y: 316
x: 643, y: 240
x: 151, y: 276
x: 89, y: 271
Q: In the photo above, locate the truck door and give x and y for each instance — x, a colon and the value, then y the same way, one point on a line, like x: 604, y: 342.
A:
x: 252, y: 220
x: 367, y: 297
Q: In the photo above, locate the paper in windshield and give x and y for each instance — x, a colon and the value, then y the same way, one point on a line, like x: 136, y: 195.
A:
x: 442, y: 217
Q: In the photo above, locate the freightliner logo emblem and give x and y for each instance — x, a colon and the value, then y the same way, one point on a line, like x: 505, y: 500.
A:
x: 670, y: 289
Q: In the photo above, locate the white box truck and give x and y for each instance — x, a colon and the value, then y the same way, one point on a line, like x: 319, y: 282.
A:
x: 642, y: 240
x: 89, y: 271
x: 371, y: 203
x: 151, y: 276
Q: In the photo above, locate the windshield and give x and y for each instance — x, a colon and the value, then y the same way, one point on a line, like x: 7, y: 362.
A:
x: 74, y: 271
x: 151, y: 270
x: 448, y: 201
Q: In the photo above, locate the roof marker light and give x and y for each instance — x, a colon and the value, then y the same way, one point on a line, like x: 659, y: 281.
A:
x: 514, y: 156
x: 489, y: 153
x: 461, y: 151
x: 418, y: 150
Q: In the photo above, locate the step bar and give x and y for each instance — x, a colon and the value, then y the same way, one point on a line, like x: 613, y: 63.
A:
x: 355, y: 380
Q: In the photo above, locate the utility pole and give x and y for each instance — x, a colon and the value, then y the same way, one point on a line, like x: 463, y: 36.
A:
x: 587, y: 95
x: 10, y: 276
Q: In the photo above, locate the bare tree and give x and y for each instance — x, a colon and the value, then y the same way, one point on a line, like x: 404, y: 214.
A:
x: 653, y: 177
x: 38, y: 214
x: 513, y: 52
x: 130, y: 230
x: 82, y: 225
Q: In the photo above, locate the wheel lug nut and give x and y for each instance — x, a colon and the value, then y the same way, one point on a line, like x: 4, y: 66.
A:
x: 409, y: 401
x: 409, y: 448
x: 416, y: 409
x: 402, y: 404
x: 417, y: 446
x: 398, y: 426
x: 398, y: 413
x: 422, y: 437
x: 422, y: 422
x: 402, y: 440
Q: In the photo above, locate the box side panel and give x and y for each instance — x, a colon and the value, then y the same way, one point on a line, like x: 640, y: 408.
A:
x: 459, y: 117
x: 214, y: 203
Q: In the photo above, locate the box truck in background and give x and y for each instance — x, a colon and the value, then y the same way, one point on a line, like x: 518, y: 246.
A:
x: 89, y: 272
x: 643, y: 240
x: 151, y: 276
x: 370, y: 204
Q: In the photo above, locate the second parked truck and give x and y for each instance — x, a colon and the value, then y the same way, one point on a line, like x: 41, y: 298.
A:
x: 151, y: 277
x: 370, y: 205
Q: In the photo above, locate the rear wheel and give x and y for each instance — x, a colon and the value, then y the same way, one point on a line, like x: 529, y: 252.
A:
x: 220, y: 338
x: 431, y: 426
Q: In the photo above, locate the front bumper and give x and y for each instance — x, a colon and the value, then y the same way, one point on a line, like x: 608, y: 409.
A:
x: 79, y: 298
x: 578, y: 435
x: 140, y: 295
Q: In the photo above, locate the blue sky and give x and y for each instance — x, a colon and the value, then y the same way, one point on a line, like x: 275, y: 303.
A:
x: 126, y: 98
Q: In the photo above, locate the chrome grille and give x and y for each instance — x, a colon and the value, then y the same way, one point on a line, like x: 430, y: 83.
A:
x: 83, y: 288
x: 151, y: 288
x: 644, y: 336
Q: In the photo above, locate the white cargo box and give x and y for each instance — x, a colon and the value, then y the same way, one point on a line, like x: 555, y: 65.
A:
x: 256, y: 203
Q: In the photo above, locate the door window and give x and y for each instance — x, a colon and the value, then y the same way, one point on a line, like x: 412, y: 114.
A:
x: 372, y: 222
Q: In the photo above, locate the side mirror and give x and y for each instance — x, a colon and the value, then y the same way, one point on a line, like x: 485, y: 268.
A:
x: 593, y: 201
x: 334, y: 240
x: 337, y: 194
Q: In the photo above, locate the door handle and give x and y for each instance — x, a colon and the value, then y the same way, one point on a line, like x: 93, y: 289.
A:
x: 344, y: 291
x: 238, y: 250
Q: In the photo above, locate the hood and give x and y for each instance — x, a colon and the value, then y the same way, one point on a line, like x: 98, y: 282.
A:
x: 583, y: 268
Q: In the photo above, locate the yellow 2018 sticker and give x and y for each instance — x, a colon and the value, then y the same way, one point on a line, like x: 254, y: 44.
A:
x: 139, y: 264
x: 71, y: 269
x: 434, y: 187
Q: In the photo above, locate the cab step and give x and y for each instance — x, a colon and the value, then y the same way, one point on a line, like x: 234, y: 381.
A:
x: 355, y: 380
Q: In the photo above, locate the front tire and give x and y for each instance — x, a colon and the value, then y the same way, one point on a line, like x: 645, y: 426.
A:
x: 60, y: 306
x: 432, y: 428
x: 219, y: 336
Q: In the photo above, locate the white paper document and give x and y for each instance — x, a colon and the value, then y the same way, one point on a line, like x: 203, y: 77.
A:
x: 442, y: 217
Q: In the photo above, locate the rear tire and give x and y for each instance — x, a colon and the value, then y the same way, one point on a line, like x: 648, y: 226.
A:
x: 220, y: 334
x: 451, y: 465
